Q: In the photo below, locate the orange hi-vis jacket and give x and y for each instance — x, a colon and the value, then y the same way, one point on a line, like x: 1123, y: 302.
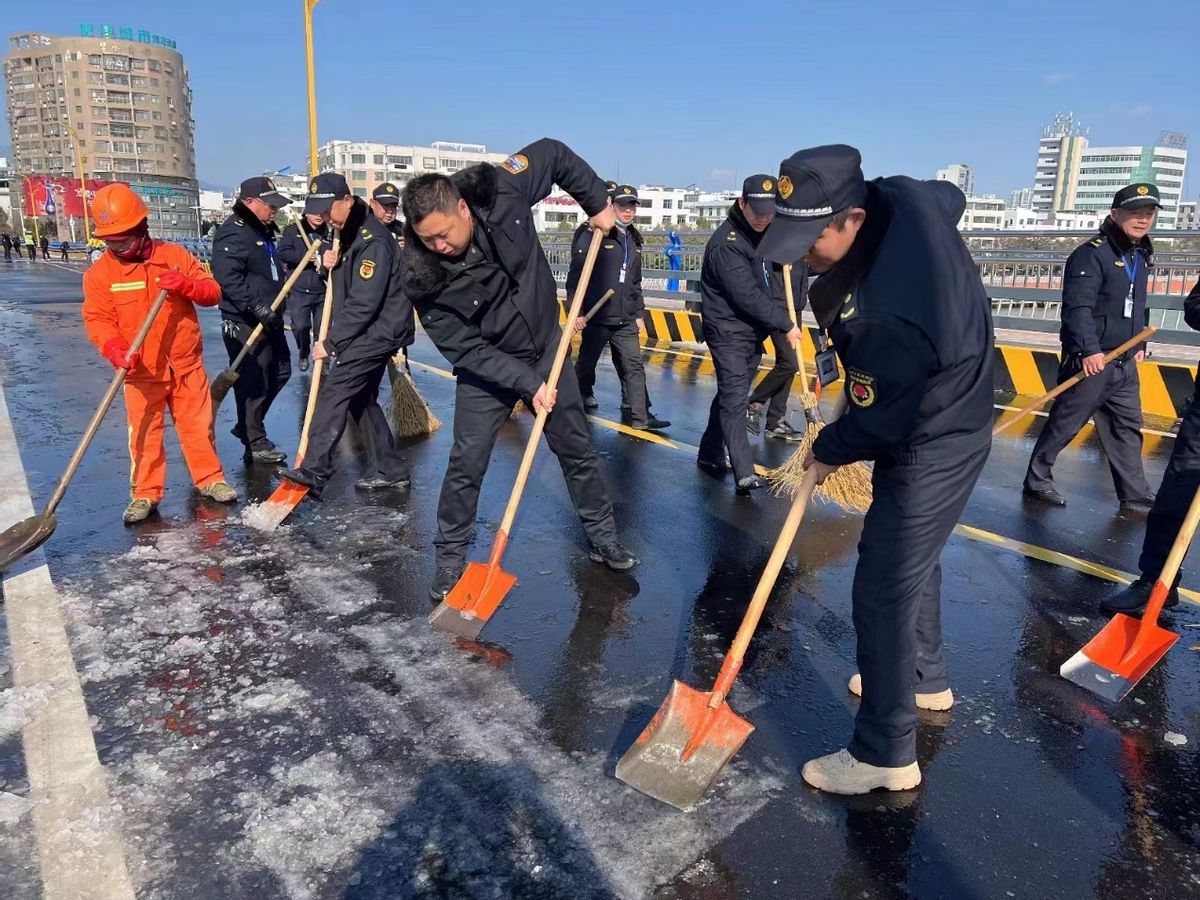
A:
x: 117, y: 295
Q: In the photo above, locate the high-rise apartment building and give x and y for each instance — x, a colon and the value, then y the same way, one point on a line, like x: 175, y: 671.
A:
x: 959, y: 174
x: 116, y: 99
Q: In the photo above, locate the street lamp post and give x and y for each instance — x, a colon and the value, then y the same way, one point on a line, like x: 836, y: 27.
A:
x: 312, y: 85
x: 79, y: 160
x: 37, y: 234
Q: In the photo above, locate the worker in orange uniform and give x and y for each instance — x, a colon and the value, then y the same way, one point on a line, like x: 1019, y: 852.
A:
x: 168, y: 372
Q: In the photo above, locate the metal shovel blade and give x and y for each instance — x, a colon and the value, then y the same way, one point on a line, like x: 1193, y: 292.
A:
x: 278, y: 506
x: 1118, y: 657
x: 24, y: 537
x: 472, y: 600
x: 684, y: 748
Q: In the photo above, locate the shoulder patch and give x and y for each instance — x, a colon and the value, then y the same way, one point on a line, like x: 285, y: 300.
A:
x: 239, y: 223
x: 732, y: 236
x: 258, y: 243
x: 1096, y: 242
x: 515, y: 164
x: 366, y: 234
x: 366, y: 269
x: 860, y: 386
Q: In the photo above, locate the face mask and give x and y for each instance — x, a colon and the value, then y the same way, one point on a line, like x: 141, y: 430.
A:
x: 138, y: 248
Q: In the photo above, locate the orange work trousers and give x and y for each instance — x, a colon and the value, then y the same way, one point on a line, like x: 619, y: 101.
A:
x: 188, y: 399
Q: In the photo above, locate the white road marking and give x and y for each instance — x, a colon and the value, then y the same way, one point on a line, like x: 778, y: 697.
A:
x: 80, y: 849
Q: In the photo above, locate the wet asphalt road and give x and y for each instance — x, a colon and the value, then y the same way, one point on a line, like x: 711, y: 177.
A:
x: 277, y: 720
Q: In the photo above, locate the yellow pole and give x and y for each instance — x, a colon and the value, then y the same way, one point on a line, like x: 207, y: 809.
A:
x: 37, y: 234
x: 312, y: 85
x: 87, y: 233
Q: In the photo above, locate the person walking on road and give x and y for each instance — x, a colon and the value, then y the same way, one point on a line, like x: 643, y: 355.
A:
x: 64, y: 248
x: 372, y: 319
x: 902, y: 300
x: 31, y: 248
x: 8, y: 245
x: 738, y: 311
x: 620, y: 322
x: 305, y: 302
x: 1180, y: 482
x: 244, y: 265
x: 45, y: 242
x: 486, y: 297
x: 168, y: 372
x: 1103, y: 306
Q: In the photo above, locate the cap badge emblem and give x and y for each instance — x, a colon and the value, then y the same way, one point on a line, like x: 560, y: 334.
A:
x: 785, y: 187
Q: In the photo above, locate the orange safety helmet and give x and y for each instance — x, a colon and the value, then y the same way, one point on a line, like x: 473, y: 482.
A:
x: 116, y: 210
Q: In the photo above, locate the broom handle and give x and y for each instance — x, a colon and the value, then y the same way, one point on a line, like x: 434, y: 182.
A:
x: 599, y: 303
x: 275, y: 304
x: 319, y: 366
x: 1179, y: 549
x: 560, y: 357
x: 791, y: 308
x: 766, y: 582
x: 118, y: 379
x: 1073, y: 380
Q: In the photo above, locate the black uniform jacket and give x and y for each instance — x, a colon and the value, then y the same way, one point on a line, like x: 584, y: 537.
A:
x: 371, y: 314
x: 244, y: 264
x: 493, y: 312
x: 912, y: 325
x: 291, y: 250
x: 1096, y: 283
x: 619, y: 250
x: 736, y: 295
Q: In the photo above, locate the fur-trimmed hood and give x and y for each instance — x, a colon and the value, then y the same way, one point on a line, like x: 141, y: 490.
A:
x: 423, y: 270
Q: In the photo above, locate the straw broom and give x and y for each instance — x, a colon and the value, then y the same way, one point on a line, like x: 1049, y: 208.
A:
x: 408, y: 412
x: 849, y: 487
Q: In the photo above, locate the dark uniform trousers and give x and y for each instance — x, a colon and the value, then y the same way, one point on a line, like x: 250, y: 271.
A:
x: 262, y: 375
x: 776, y: 386
x: 897, y: 596
x: 1179, y: 484
x: 304, y: 313
x: 1113, y: 400
x: 480, y: 409
x: 727, y: 415
x: 351, y: 390
x: 627, y: 360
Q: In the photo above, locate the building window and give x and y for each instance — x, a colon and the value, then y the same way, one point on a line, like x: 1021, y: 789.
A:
x: 668, y: 204
x: 94, y: 59
x: 380, y: 175
x: 378, y: 159
x: 358, y: 159
x: 138, y: 65
x: 358, y: 176
x: 400, y: 160
x: 154, y: 65
x: 429, y: 162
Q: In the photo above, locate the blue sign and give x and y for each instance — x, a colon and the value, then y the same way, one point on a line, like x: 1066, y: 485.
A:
x: 126, y: 34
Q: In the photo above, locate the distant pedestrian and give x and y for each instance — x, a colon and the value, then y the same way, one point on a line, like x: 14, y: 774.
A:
x: 31, y: 248
x: 6, y: 241
x: 64, y: 247
x: 45, y: 247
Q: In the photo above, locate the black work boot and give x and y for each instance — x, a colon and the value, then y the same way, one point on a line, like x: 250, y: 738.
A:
x: 1133, y: 599
x: 444, y: 580
x: 614, y: 556
x: 299, y: 476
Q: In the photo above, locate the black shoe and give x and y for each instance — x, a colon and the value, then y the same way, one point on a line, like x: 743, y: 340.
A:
x: 589, y: 402
x: 626, y: 408
x: 304, y: 364
x: 379, y: 483
x: 748, y: 484
x: 444, y: 581
x: 1050, y: 495
x: 299, y: 476
x: 753, y: 422
x: 1138, y: 504
x: 785, y: 432
x: 270, y: 457
x: 614, y: 556
x: 1133, y: 599
x: 711, y: 467
x: 651, y: 424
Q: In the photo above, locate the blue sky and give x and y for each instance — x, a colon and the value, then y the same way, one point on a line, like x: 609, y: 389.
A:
x: 690, y: 91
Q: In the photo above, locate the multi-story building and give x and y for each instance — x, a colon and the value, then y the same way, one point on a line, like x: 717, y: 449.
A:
x: 1022, y: 198
x: 114, y: 102
x: 666, y: 207
x: 959, y: 174
x: 366, y: 164
x: 982, y: 213
x: 712, y: 208
x: 1189, y: 215
x: 1073, y: 176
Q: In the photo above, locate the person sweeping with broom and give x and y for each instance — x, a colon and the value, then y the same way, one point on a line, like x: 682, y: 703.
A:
x: 483, y: 288
x: 902, y: 301
x: 168, y: 372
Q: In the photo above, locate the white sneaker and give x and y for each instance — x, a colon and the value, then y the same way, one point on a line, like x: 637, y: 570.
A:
x: 941, y: 700
x: 841, y: 773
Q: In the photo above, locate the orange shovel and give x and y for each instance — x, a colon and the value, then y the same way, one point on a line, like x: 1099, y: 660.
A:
x: 288, y: 495
x: 695, y: 733
x: 483, y: 586
x: 1117, y: 658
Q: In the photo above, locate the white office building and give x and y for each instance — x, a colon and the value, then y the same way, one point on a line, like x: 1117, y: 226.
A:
x: 958, y: 174
x: 986, y: 212
x: 664, y: 207
x: 365, y: 164
x: 712, y: 208
x: 1189, y: 215
x: 558, y: 212
x: 1021, y: 198
x: 1105, y: 170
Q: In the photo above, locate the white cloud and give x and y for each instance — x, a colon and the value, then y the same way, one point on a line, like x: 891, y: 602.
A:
x: 1052, y: 78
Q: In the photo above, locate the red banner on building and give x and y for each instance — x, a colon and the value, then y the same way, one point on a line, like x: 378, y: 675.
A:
x: 49, y: 196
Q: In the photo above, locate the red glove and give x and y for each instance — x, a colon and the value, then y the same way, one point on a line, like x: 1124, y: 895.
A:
x: 116, y: 351
x: 202, y: 291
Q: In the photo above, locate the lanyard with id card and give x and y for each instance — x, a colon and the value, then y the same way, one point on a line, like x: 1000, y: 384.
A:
x: 827, y: 367
x: 1131, y: 273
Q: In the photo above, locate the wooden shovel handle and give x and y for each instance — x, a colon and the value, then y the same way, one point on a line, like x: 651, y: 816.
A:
x: 560, y: 356
x: 1073, y: 380
x: 1170, y: 569
x: 599, y: 303
x: 286, y: 289
x: 110, y: 394
x: 766, y: 582
x: 319, y: 365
